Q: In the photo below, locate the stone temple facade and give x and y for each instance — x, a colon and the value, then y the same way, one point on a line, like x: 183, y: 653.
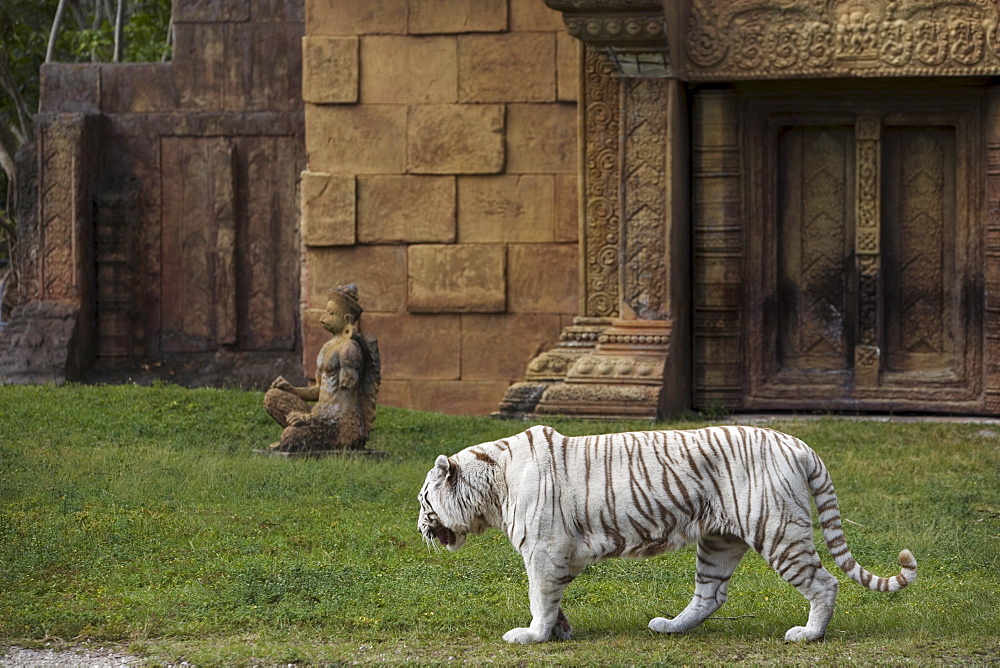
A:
x: 582, y: 207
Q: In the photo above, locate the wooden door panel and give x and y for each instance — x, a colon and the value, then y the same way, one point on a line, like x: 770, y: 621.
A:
x: 198, y: 287
x: 230, y: 254
x: 815, y: 173
x: 922, y: 307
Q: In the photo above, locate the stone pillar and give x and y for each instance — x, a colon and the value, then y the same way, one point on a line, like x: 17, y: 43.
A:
x: 628, y: 354
x: 50, y: 336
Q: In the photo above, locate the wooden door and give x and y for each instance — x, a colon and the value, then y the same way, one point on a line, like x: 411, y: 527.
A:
x: 229, y: 245
x: 862, y: 271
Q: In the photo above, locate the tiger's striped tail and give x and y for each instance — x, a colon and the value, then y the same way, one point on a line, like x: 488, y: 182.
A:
x: 833, y: 532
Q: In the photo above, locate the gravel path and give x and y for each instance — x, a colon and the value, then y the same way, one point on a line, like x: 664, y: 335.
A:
x: 63, y: 658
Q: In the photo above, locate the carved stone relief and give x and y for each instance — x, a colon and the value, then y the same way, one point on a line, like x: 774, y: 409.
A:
x: 771, y: 39
x: 644, y: 207
x: 602, y: 168
x: 867, y: 245
x: 627, y: 257
x: 624, y: 242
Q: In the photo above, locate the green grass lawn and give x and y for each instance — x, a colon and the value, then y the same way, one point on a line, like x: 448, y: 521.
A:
x: 140, y: 518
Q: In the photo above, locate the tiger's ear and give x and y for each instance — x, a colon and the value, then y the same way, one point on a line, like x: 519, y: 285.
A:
x: 446, y: 468
x: 442, y: 465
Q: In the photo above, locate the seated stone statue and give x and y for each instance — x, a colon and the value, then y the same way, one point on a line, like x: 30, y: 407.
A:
x: 347, y: 380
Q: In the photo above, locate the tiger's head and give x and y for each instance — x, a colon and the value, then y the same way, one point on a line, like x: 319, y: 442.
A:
x: 453, y: 501
x: 440, y: 518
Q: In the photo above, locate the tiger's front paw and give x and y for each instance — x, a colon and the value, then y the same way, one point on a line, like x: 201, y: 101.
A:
x: 664, y: 625
x: 802, y: 634
x: 522, y: 636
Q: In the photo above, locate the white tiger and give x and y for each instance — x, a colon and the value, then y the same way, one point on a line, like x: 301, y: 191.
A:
x: 567, y: 502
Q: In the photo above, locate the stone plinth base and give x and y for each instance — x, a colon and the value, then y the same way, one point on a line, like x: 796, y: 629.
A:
x: 622, y: 377
x: 38, y: 344
x: 551, y: 367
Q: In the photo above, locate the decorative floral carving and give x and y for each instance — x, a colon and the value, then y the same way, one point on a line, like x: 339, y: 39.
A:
x: 601, y: 185
x: 644, y: 198
x: 968, y: 41
x: 896, y: 43
x: 931, y: 41
x: 704, y: 46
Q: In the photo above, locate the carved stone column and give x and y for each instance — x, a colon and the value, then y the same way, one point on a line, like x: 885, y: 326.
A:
x: 50, y: 337
x: 627, y: 354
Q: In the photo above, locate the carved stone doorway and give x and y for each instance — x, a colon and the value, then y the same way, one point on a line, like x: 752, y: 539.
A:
x: 853, y: 279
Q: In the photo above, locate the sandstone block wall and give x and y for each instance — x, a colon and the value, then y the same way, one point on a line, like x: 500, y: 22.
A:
x: 442, y: 178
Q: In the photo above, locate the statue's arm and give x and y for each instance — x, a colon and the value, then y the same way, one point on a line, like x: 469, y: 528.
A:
x: 351, y: 361
x: 308, y: 393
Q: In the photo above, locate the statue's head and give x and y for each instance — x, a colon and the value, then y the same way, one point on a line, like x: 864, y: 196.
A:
x: 342, y: 310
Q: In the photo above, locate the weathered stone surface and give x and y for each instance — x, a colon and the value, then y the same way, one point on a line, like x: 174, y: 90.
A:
x: 406, y: 209
x: 336, y: 17
x: 357, y: 139
x: 264, y: 66
x: 238, y: 66
x: 199, y: 65
x: 566, y: 226
x: 542, y: 278
x: 541, y: 138
x: 417, y: 346
x: 511, y: 67
x: 409, y: 70
x: 329, y: 69
x: 453, y: 16
x: 185, y: 123
x: 239, y: 73
x: 534, y: 15
x: 499, y: 347
x: 494, y: 209
x: 455, y: 139
x: 381, y: 269
x: 461, y: 278
x: 456, y: 397
x: 328, y: 209
x: 36, y: 346
x: 567, y: 67
x: 138, y: 88
x: 211, y: 10
x: 207, y: 298
x: 69, y: 87
x: 395, y: 393
x: 277, y: 10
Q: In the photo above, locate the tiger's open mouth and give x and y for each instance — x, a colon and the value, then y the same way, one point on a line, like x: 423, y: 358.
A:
x: 444, y: 535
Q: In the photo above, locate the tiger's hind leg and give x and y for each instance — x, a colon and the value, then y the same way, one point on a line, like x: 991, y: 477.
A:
x: 795, y: 559
x: 718, y: 557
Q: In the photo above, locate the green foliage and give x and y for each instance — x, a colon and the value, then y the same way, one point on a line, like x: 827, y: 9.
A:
x: 86, y: 34
x: 141, y: 517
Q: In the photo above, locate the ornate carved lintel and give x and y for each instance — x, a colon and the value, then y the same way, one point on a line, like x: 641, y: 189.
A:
x: 772, y: 39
